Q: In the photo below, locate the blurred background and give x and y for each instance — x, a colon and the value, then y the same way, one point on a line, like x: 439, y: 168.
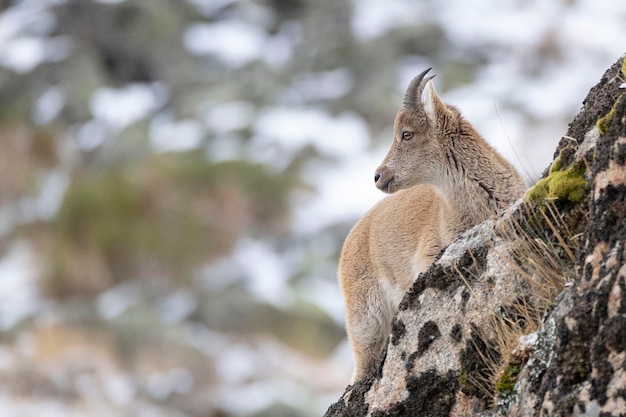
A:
x: 177, y: 178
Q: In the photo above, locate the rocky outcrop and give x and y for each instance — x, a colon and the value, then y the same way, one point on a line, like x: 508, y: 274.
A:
x: 523, y: 315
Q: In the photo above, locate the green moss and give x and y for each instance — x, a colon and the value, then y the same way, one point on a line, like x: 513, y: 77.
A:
x: 556, y: 165
x: 603, y: 123
x: 560, y: 185
x: 464, y: 380
x: 506, y: 383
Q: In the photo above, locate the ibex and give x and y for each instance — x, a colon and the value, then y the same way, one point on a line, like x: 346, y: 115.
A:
x: 444, y: 178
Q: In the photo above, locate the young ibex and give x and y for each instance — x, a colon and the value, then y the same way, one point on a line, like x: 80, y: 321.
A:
x: 446, y: 178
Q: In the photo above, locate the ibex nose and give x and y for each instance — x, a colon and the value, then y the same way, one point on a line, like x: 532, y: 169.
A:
x: 383, y: 178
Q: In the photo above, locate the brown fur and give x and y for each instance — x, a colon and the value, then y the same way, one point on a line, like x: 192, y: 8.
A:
x: 445, y: 179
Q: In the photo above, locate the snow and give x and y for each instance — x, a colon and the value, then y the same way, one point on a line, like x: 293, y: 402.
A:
x: 208, y: 7
x: 499, y: 22
x: 264, y: 272
x: 290, y: 129
x: 270, y: 373
x: 18, y: 286
x: 327, y: 85
x: 372, y: 18
x: 234, y: 42
x: 29, y: 16
x: 49, y: 105
x: 120, y: 389
x: 258, y: 265
x: 24, y: 43
x: 113, y: 302
x: 161, y: 385
x: 177, y: 307
x: 237, y: 364
x: 238, y: 42
x: 41, y: 206
x: 227, y: 117
x: 90, y: 135
x: 318, y: 291
x: 168, y: 135
x: 121, y: 107
x: 24, y: 53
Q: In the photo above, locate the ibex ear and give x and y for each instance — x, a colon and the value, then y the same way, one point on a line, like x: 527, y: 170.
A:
x: 432, y: 103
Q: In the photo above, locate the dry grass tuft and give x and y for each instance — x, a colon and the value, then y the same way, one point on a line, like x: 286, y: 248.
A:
x: 543, y: 242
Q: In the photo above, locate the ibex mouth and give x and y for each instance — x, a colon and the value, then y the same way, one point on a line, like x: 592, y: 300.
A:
x: 385, y: 185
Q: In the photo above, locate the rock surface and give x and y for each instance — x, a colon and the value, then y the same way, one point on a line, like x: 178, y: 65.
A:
x: 552, y: 269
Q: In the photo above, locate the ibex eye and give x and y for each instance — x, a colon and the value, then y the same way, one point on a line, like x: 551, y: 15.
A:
x: 407, y: 135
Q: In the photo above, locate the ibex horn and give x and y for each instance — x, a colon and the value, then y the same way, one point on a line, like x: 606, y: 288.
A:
x: 413, y: 95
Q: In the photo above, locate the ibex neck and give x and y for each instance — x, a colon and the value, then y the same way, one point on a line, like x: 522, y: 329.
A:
x: 478, y: 181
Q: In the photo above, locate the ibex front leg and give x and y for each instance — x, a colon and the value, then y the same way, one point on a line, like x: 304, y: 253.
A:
x: 368, y: 324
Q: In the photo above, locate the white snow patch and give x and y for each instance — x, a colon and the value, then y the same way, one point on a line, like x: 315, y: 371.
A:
x: 178, y: 306
x: 496, y: 22
x: 282, y: 376
x: 328, y: 85
x: 228, y: 117
x: 110, y: 1
x: 264, y: 271
x: 208, y: 7
x: 234, y: 42
x: 161, y: 385
x: 116, y: 300
x: 49, y: 105
x: 120, y: 389
x: 51, y: 191
x: 90, y: 135
x: 226, y: 147
x: 372, y: 18
x: 281, y: 130
x: 27, y: 17
x: 237, y: 42
x: 168, y: 135
x: 237, y: 364
x: 219, y: 275
x: 121, y: 107
x: 261, y: 268
x: 41, y: 206
x: 24, y: 53
x: 18, y: 289
x: 23, y: 42
x: 327, y: 296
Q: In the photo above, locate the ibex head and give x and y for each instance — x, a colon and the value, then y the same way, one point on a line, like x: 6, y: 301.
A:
x: 418, y: 151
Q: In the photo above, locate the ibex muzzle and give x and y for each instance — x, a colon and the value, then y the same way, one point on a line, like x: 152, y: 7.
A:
x: 383, y: 178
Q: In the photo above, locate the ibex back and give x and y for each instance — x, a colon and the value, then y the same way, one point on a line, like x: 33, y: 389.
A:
x: 444, y: 178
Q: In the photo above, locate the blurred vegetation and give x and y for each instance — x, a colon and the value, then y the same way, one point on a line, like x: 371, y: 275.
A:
x: 165, y: 217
